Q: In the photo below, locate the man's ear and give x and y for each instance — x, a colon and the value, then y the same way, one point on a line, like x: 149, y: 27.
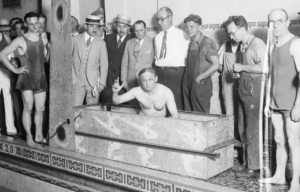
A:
x: 288, y: 22
x: 25, y: 24
x: 156, y: 78
x: 85, y: 26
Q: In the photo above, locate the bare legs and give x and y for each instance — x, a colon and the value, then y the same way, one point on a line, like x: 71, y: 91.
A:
x: 286, y: 132
x: 29, y: 97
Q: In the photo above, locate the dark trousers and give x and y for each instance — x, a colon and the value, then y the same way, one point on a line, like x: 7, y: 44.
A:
x: 172, y: 78
x: 196, y: 97
x: 2, y: 113
x: 249, y: 92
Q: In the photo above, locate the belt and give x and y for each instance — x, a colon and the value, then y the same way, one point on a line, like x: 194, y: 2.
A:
x: 166, y: 68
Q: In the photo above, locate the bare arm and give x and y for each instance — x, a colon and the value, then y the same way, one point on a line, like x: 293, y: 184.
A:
x: 117, y: 99
x: 294, y: 50
x: 211, y: 70
x: 18, y: 42
x: 171, y: 103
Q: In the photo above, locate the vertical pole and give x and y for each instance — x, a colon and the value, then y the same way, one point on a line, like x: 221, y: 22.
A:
x: 61, y: 95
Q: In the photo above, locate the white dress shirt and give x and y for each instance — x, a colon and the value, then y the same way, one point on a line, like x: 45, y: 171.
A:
x: 87, y: 36
x: 177, y: 47
x: 122, y: 38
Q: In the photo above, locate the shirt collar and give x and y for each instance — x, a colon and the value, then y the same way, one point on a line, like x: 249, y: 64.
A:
x: 87, y: 36
x: 198, y: 41
x: 122, y: 38
x: 245, y: 45
x: 170, y: 29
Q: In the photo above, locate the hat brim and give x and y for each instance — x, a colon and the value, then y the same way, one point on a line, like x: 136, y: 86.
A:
x: 122, y: 22
x: 5, y: 28
x: 102, y: 24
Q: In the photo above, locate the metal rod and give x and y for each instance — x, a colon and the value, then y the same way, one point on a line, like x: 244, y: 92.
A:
x: 144, y: 144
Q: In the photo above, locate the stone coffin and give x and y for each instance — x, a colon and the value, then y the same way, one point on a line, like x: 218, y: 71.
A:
x: 197, y: 145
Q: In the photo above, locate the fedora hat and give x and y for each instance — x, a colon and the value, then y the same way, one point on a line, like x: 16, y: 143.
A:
x: 93, y: 19
x: 123, y: 19
x: 4, y: 25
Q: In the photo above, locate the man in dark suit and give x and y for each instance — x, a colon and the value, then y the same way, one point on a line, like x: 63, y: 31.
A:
x: 115, y: 44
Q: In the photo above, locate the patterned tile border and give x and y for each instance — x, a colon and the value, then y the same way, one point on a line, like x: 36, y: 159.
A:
x: 105, y: 173
x: 211, y: 27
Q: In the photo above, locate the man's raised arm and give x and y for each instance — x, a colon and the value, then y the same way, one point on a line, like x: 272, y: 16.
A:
x: 117, y: 99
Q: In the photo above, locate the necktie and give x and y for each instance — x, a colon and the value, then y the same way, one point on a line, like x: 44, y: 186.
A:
x: 88, y: 42
x: 163, y: 50
x: 137, y: 49
x: 119, y: 42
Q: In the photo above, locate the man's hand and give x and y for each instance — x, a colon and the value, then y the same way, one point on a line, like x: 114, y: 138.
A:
x: 295, y: 113
x: 198, y: 79
x: 237, y: 67
x: 125, y: 84
x: 116, y: 87
x: 20, y: 70
x: 100, y: 88
x: 267, y: 111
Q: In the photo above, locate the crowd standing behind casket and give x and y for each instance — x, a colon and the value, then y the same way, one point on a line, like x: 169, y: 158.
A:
x: 184, y: 62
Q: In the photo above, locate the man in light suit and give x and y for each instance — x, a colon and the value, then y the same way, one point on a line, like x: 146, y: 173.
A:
x: 90, y: 63
x: 138, y: 54
x: 115, y: 44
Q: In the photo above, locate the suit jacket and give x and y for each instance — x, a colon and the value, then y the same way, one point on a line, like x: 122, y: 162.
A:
x: 97, y: 63
x: 115, y: 55
x: 131, y: 66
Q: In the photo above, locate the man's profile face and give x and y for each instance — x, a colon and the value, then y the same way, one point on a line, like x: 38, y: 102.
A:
x: 92, y: 29
x: 278, y: 23
x: 74, y: 24
x: 234, y: 32
x: 18, y: 29
x: 140, y: 31
x: 193, y: 29
x: 122, y: 29
x: 32, y: 24
x: 148, y: 80
x: 164, y: 19
x: 42, y: 25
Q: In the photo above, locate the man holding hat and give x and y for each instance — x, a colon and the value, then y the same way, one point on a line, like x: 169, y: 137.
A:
x: 115, y: 44
x: 90, y: 63
x: 5, y: 85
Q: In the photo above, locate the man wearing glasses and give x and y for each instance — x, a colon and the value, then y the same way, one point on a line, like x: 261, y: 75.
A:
x: 115, y: 44
x: 90, y: 63
x: 171, y: 51
x: 250, y: 71
x: 283, y: 97
x: 32, y: 81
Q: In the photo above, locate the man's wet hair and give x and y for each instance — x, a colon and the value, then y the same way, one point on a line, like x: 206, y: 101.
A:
x: 238, y: 20
x: 195, y: 18
x: 30, y: 15
x: 149, y: 69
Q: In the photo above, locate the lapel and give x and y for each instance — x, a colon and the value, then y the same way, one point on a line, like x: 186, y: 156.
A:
x: 114, y: 44
x: 145, y: 45
x: 81, y: 44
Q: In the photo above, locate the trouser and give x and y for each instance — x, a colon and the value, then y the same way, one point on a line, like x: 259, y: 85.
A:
x: 249, y: 92
x: 232, y: 103
x: 82, y: 89
x: 172, y: 78
x: 196, y: 97
x: 5, y: 87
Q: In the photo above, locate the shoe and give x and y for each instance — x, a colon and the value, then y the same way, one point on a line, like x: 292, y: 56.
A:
x: 239, y: 168
x: 245, y: 173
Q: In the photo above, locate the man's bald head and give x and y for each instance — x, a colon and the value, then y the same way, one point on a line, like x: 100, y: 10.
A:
x: 279, y: 11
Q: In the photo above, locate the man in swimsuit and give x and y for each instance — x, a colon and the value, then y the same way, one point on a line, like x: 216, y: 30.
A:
x: 154, y: 98
x: 32, y: 80
x: 283, y: 97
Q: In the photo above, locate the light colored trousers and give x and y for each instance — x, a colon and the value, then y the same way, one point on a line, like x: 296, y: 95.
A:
x: 5, y: 87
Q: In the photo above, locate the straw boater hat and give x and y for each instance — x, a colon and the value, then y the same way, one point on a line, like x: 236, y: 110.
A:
x: 93, y: 19
x: 4, y: 25
x: 123, y: 19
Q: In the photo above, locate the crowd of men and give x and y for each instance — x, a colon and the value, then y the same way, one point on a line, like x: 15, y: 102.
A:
x: 171, y: 72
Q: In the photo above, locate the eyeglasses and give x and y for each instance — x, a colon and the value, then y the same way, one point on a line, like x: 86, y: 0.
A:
x: 162, y: 20
x: 232, y: 34
x: 279, y: 22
